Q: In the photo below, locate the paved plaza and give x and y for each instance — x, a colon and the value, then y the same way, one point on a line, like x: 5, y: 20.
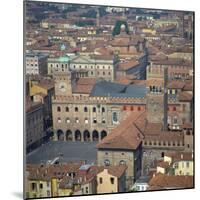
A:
x: 67, y: 151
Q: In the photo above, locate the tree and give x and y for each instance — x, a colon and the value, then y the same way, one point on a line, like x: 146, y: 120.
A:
x: 117, y: 28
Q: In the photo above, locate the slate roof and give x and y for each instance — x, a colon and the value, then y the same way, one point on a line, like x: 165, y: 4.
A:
x: 105, y: 88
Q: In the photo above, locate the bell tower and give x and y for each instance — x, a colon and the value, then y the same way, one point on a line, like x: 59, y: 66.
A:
x: 157, y: 100
x: 63, y: 83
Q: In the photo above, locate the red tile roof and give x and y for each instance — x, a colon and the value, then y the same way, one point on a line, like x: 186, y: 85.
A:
x: 163, y: 164
x: 84, y: 85
x: 128, y: 65
x: 125, y: 136
x: 162, y: 181
x: 185, y: 96
x: 117, y: 171
x: 179, y: 156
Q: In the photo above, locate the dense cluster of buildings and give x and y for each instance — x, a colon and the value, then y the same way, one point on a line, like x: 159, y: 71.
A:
x: 122, y: 78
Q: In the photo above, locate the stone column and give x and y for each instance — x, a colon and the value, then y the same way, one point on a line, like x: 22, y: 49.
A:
x: 55, y: 136
x: 82, y: 137
x: 91, y: 139
x: 64, y: 135
x: 73, y: 136
x: 99, y: 135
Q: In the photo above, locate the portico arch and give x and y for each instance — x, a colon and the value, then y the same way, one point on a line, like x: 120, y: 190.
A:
x: 69, y: 136
x: 60, y: 135
x: 95, y: 135
x: 86, y: 135
x: 77, y: 135
x: 103, y: 134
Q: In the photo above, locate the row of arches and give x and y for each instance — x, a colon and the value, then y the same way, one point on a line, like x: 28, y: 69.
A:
x: 77, y: 135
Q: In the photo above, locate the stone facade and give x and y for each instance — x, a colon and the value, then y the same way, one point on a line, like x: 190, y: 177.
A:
x: 36, y: 64
x: 34, y: 125
x: 131, y: 158
x: 94, y: 66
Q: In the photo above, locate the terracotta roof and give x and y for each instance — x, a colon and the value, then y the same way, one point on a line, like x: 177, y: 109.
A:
x: 155, y: 82
x: 188, y: 85
x: 176, y: 84
x: 163, y: 164
x: 84, y: 89
x: 187, y: 126
x: 86, y: 81
x: 165, y: 136
x: 103, y: 51
x: 84, y: 85
x: 117, y: 171
x: 46, y: 172
x: 124, y: 80
x: 128, y: 64
x: 162, y: 181
x: 179, y: 156
x: 153, y: 128
x: 125, y: 136
x: 172, y: 61
x: 185, y: 96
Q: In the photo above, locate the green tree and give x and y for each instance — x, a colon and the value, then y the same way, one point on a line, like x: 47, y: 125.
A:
x: 117, y: 28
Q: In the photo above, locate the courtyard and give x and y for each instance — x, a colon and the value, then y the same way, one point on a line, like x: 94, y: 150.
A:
x: 66, y: 150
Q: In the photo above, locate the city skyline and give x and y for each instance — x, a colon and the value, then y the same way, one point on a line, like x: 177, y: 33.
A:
x: 109, y: 99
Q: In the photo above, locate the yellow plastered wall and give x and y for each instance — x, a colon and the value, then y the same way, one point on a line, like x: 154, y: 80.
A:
x: 35, y: 89
x: 106, y: 186
x: 54, y: 187
x: 64, y: 192
x: 183, y: 169
x: 160, y: 170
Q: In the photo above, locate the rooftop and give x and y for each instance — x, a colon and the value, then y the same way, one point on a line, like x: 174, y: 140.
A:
x: 105, y: 88
x: 162, y: 181
x: 125, y: 136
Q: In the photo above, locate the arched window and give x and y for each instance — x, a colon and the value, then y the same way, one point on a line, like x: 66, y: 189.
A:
x: 103, y: 109
x: 106, y: 162
x: 76, y: 120
x: 86, y: 120
x: 67, y: 109
x: 124, y: 108
x: 122, y: 162
x: 162, y: 154
x: 76, y: 109
x: 94, y: 109
x: 85, y: 109
x: 94, y: 120
x: 67, y: 120
x: 114, y: 117
x: 59, y: 109
x: 139, y: 108
x: 59, y: 120
x: 174, y: 108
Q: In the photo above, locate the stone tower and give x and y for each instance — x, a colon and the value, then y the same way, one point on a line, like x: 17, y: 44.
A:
x: 157, y: 94
x: 63, y: 83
